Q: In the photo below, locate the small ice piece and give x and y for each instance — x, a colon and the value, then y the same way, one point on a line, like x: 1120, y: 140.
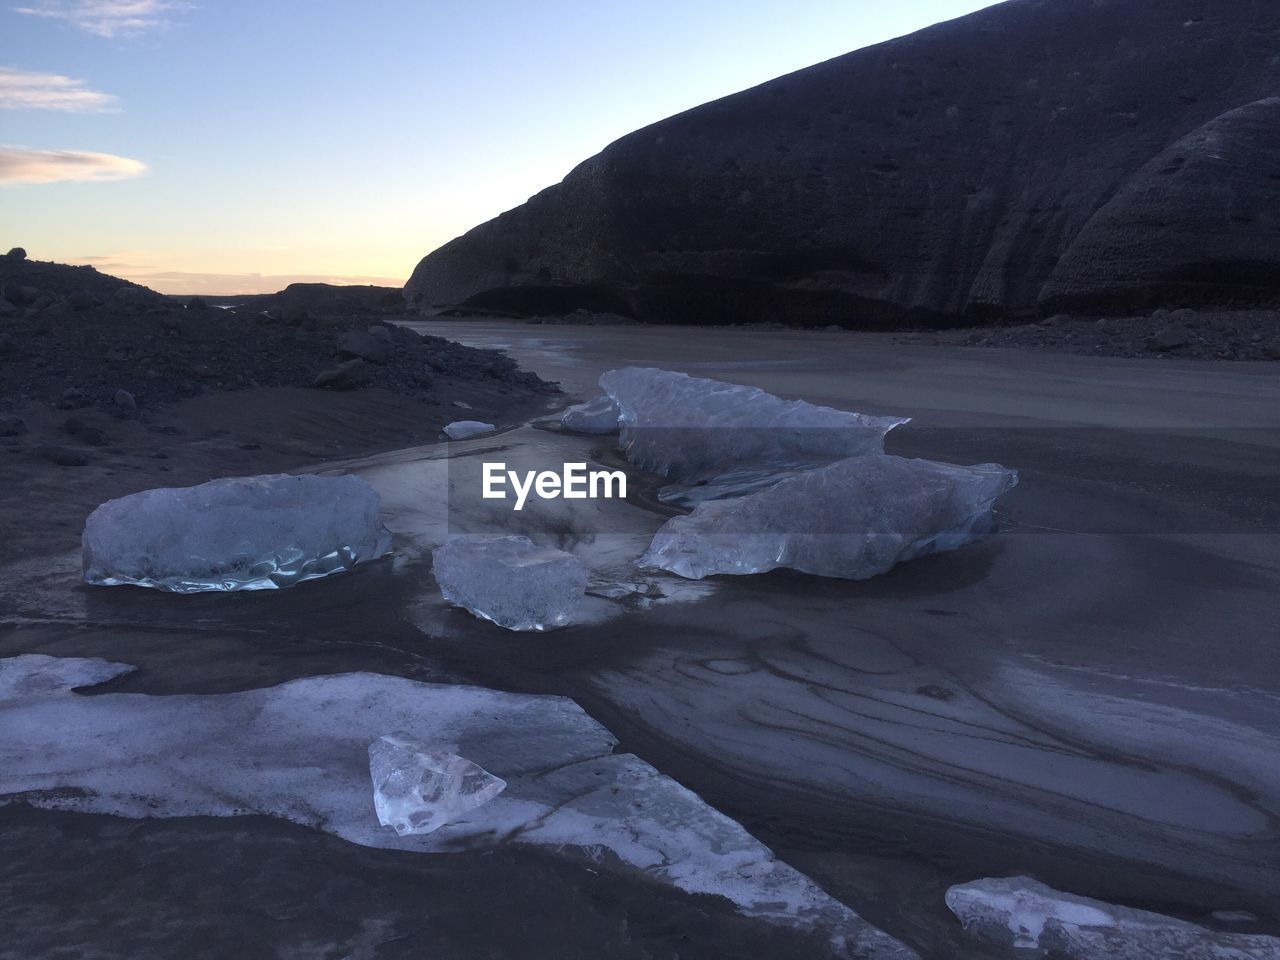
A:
x: 1022, y: 913
x: 511, y: 581
x: 240, y: 533
x: 853, y: 519
x: 598, y: 416
x: 723, y: 439
x: 418, y: 788
x: 465, y: 429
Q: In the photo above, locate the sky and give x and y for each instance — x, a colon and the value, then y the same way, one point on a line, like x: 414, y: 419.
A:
x: 235, y: 146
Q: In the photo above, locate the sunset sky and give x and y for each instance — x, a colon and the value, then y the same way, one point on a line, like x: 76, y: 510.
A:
x: 231, y: 146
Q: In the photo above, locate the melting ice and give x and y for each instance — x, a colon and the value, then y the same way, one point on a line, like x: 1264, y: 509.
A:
x: 300, y: 752
x: 511, y: 581
x: 598, y: 416
x: 418, y: 788
x: 241, y: 533
x: 853, y: 519
x: 720, y: 439
x: 465, y: 429
x: 1023, y: 913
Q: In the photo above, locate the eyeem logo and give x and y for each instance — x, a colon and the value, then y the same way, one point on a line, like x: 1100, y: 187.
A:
x: 576, y: 482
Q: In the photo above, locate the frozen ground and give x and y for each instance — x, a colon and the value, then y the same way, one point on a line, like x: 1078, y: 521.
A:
x: 1090, y: 697
x: 1019, y: 912
x: 300, y: 752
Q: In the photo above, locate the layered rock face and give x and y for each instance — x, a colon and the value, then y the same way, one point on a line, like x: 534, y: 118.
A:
x: 1036, y: 156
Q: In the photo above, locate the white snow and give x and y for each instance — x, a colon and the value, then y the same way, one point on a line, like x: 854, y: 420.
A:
x: 240, y: 533
x: 719, y: 439
x: 1024, y: 913
x: 465, y: 429
x: 298, y: 751
x: 853, y: 519
x: 510, y: 580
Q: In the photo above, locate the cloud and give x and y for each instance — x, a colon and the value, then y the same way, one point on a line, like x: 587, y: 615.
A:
x: 28, y: 165
x: 24, y: 90
x: 108, y: 18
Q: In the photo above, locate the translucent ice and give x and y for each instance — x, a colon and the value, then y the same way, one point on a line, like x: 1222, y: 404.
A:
x: 595, y: 416
x: 465, y: 429
x: 511, y: 581
x: 852, y: 519
x: 299, y: 751
x: 418, y: 788
x: 722, y: 439
x: 1023, y: 913
x: 241, y: 533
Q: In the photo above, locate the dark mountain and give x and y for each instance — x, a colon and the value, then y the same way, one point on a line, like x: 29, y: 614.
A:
x: 1037, y: 156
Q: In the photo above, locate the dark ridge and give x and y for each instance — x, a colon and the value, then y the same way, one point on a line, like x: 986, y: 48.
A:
x: 1034, y: 157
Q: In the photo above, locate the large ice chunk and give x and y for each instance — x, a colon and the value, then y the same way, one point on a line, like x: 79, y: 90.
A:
x: 852, y: 519
x: 300, y: 749
x: 466, y: 429
x: 511, y: 581
x: 595, y: 416
x: 723, y: 439
x: 241, y: 533
x: 418, y: 788
x: 1023, y: 913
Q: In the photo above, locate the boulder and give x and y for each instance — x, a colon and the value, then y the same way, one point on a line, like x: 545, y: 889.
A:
x: 295, y: 315
x: 82, y: 300
x: 21, y: 294
x: 1037, y: 156
x: 345, y: 376
x: 1170, y: 338
x: 137, y: 298
x: 11, y: 426
x: 86, y: 433
x: 62, y: 456
x: 7, y: 309
x: 363, y: 345
x: 16, y: 254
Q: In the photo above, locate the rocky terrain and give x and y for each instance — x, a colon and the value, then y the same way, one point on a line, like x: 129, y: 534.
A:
x: 1204, y: 334
x: 77, y: 338
x: 107, y: 388
x: 1040, y: 157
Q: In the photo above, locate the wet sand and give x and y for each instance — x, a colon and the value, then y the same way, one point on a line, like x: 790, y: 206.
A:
x: 1090, y: 696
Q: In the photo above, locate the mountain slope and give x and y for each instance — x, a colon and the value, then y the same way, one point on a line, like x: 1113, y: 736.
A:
x: 1038, y: 155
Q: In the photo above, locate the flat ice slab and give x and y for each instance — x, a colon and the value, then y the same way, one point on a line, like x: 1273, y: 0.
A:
x: 241, y: 533
x: 510, y: 580
x: 299, y: 751
x: 418, y: 788
x: 1023, y: 913
x: 465, y: 429
x: 598, y: 416
x: 724, y: 439
x: 853, y: 519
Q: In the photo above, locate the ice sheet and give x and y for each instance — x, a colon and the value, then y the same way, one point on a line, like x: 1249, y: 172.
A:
x: 1024, y: 913
x: 299, y: 751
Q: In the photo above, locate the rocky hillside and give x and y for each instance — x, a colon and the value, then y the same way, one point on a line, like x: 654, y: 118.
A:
x: 73, y: 337
x: 1036, y: 157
